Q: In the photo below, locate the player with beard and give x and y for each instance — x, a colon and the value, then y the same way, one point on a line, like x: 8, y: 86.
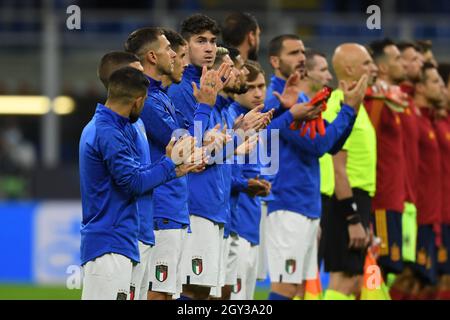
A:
x: 161, y: 120
x: 428, y: 96
x: 233, y: 184
x: 111, y: 179
x: 287, y: 57
x: 296, y: 208
x: 262, y: 253
x: 289, y: 89
x: 384, y: 106
x: 412, y: 63
x: 181, y: 60
x: 239, y: 70
x: 207, y: 201
x: 241, y: 31
x: 109, y: 63
x: 246, y: 211
x: 425, y: 48
x: 442, y: 125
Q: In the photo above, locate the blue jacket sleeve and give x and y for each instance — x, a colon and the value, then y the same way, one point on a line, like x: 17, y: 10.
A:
x: 281, y: 122
x: 238, y: 182
x: 272, y: 102
x: 322, y: 144
x: 182, y: 101
x: 159, y: 123
x: 126, y: 172
x: 201, y: 114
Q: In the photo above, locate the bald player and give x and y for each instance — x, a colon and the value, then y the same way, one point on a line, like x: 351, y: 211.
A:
x: 347, y: 227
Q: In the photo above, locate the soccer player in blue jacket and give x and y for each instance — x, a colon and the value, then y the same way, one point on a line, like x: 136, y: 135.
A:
x: 109, y: 63
x: 111, y: 179
x: 221, y: 114
x: 162, y: 120
x: 293, y: 220
x: 247, y: 219
x: 206, y: 198
x: 248, y: 207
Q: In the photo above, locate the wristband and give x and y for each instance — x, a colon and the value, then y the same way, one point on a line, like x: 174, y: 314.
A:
x: 347, y: 207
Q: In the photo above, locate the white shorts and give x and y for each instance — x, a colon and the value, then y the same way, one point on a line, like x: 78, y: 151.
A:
x: 107, y: 277
x: 202, y: 256
x: 165, y: 266
x: 139, y: 274
x: 262, y: 254
x: 232, y: 260
x: 291, y: 247
x: 216, y: 291
x: 247, y: 271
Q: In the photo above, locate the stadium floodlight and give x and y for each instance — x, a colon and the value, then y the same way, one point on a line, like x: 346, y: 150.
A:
x: 63, y: 105
x: 35, y: 105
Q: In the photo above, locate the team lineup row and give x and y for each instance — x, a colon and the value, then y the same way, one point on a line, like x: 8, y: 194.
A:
x: 170, y: 212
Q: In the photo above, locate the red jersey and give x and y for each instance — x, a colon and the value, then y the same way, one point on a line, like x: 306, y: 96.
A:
x: 410, y: 144
x: 429, y: 183
x: 442, y: 128
x: 390, y: 192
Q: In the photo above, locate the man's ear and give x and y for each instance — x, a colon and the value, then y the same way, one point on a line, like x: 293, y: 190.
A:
x: 151, y: 57
x: 275, y: 62
x: 251, y: 38
x: 139, y: 102
x: 383, y: 68
x: 349, y: 70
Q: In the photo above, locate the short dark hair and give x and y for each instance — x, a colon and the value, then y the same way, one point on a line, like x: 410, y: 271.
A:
x: 233, y: 53
x: 175, y: 39
x: 127, y: 84
x: 139, y: 40
x: 403, y: 45
x: 423, y: 74
x: 309, y: 56
x: 376, y: 48
x: 236, y: 26
x: 424, y: 45
x: 254, y: 69
x: 197, y: 24
x: 444, y: 71
x: 276, y: 43
x: 112, y: 61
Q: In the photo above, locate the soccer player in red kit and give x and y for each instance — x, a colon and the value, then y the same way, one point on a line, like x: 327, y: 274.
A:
x: 428, y: 96
x: 384, y: 106
x: 442, y: 126
x: 412, y: 63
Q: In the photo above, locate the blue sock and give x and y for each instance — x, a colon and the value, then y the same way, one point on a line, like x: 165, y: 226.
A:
x: 183, y: 297
x: 276, y: 296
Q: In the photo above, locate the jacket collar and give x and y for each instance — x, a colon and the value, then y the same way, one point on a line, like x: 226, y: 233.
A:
x: 277, y: 83
x: 192, y: 73
x: 106, y: 113
x: 155, y: 85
